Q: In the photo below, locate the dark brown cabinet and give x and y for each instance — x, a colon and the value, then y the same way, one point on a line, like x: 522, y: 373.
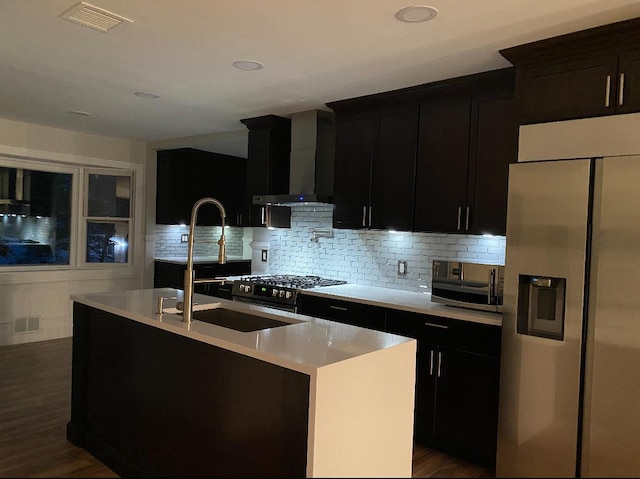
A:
x: 375, y: 166
x: 457, y: 381
x: 466, y: 145
x: 171, y: 275
x: 584, y: 74
x: 185, y: 175
x: 348, y: 312
x: 430, y: 158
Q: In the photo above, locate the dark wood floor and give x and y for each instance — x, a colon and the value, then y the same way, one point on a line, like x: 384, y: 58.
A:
x: 35, y: 390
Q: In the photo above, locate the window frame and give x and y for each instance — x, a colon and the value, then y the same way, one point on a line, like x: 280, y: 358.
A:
x: 85, y: 219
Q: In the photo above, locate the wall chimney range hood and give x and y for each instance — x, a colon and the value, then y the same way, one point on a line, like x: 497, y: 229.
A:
x: 14, y: 191
x: 311, y: 161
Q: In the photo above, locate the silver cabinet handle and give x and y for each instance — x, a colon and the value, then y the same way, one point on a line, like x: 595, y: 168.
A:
x: 466, y: 221
x: 621, y: 89
x: 262, y: 215
x: 435, y: 325
x: 339, y: 308
x: 370, y: 209
x: 459, y: 214
x: 607, y: 91
x: 431, y: 362
x: 364, y: 215
x: 439, y: 363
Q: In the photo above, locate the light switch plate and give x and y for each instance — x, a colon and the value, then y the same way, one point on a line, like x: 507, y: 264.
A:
x: 184, y: 238
x: 402, y: 267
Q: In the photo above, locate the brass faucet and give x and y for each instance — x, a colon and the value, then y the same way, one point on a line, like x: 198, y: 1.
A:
x: 189, y: 274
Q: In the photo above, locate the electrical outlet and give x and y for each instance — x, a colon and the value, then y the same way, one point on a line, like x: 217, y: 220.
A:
x: 184, y: 238
x: 402, y: 267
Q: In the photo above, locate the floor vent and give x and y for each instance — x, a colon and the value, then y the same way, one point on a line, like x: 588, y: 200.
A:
x: 94, y: 17
x: 26, y: 324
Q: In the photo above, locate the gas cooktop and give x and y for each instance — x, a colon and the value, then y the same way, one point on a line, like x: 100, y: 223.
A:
x: 292, y: 281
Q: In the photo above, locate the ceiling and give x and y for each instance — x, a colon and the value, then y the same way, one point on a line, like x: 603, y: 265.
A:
x: 313, y: 51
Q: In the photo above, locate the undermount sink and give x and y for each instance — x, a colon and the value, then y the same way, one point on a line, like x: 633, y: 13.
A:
x: 239, y: 321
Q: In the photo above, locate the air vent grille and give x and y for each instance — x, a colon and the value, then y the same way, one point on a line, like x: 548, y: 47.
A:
x: 94, y: 17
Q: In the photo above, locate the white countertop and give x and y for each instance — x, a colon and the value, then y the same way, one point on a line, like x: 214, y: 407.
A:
x: 403, y: 300
x: 306, y: 346
x: 198, y: 259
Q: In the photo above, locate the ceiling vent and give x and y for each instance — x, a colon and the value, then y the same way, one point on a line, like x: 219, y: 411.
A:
x: 93, y: 17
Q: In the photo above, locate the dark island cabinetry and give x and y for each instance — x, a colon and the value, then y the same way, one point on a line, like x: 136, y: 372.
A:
x: 584, y: 74
x: 150, y: 403
x: 348, y: 312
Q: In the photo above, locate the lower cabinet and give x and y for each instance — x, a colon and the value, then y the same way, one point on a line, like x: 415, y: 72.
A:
x: 457, y: 381
x: 171, y: 275
x: 348, y: 312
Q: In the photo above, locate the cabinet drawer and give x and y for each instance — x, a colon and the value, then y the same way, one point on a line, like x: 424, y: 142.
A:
x: 452, y: 333
x: 348, y: 312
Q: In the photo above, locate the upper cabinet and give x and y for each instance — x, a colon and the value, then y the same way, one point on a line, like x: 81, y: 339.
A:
x: 375, y: 165
x: 590, y: 73
x: 430, y: 158
x: 185, y: 175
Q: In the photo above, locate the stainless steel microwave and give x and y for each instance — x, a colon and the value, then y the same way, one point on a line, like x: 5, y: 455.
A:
x: 468, y: 285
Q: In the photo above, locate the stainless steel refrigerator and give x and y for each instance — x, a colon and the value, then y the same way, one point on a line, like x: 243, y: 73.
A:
x: 570, y: 366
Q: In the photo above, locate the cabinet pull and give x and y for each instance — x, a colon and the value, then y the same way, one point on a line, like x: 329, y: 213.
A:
x: 431, y: 362
x: 339, y: 308
x: 262, y: 215
x: 239, y: 219
x: 459, y: 214
x: 439, y: 363
x: 434, y: 325
x: 621, y: 89
x: 364, y: 215
x: 607, y: 92
x: 466, y: 221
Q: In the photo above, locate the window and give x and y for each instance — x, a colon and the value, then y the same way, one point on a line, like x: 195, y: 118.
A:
x: 35, y: 216
x: 108, y: 210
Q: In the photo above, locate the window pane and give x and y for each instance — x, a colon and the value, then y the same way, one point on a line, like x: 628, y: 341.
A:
x: 35, y: 217
x: 107, y: 242
x: 109, y: 196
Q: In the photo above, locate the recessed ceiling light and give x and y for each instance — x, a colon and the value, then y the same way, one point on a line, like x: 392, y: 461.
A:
x: 248, y: 65
x: 147, y: 95
x: 78, y: 113
x: 416, y: 14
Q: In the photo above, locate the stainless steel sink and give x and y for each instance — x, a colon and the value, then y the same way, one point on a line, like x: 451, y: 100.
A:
x: 239, y: 321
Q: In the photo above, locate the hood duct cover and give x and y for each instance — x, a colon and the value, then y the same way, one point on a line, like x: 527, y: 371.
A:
x: 14, y: 191
x: 311, y: 162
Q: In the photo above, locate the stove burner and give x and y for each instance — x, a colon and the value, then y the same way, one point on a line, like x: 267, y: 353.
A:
x: 292, y: 281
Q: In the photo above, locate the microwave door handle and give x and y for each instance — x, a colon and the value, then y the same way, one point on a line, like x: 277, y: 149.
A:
x: 491, y: 288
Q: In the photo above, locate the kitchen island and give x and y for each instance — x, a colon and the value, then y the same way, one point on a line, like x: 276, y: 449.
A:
x: 153, y: 396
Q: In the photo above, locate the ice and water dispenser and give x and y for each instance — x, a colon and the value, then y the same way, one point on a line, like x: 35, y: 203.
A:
x: 541, y: 306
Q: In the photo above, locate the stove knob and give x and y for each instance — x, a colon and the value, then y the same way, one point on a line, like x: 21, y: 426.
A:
x: 274, y: 293
x: 282, y: 293
x: 289, y: 294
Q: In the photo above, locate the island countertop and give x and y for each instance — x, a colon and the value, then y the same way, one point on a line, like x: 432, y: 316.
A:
x: 305, y: 345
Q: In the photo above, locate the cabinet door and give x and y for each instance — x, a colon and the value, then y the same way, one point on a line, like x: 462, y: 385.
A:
x: 348, y: 312
x: 466, y: 409
x: 354, y: 153
x: 423, y: 425
x: 441, y: 167
x: 393, y: 170
x: 564, y: 91
x: 629, y: 74
x: 495, y: 146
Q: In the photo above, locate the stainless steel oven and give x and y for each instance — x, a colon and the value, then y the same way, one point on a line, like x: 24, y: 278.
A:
x: 468, y: 285
x: 276, y: 291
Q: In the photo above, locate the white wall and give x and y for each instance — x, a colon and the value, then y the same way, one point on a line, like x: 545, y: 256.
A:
x: 44, y: 292
x: 369, y: 257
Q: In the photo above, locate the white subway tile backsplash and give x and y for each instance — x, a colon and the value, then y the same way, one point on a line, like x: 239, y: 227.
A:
x: 370, y: 257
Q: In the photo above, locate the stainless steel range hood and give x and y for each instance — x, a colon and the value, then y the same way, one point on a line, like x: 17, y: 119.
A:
x: 14, y: 191
x: 311, y: 162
